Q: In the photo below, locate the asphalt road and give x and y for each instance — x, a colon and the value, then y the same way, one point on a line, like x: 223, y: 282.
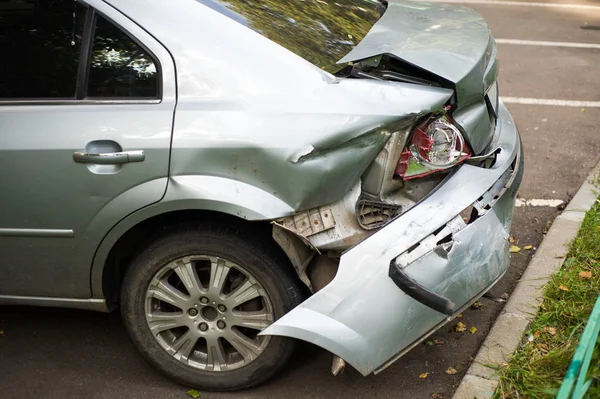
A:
x: 57, y: 353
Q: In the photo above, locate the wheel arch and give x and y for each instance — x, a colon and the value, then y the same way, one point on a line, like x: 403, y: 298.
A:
x: 187, y: 199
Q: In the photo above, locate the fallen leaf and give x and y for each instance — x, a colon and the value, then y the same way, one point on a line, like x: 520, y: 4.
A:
x: 511, y: 239
x: 528, y: 247
x: 424, y: 375
x: 543, y: 347
x: 192, y: 393
x: 451, y: 371
x: 582, y: 109
x: 585, y: 275
x: 459, y: 316
x: 549, y: 330
x: 536, y: 334
x: 429, y: 343
x: 473, y: 330
x: 1, y: 332
x: 436, y: 396
x: 477, y: 305
x: 460, y: 327
x: 563, y: 288
x: 439, y: 341
x: 514, y: 249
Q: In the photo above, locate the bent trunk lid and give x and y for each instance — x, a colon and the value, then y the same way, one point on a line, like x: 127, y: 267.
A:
x: 454, y: 43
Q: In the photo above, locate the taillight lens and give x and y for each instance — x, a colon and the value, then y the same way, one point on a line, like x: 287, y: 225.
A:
x: 436, y: 144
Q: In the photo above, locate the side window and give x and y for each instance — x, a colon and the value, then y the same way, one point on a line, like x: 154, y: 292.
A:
x: 119, y: 66
x: 40, y: 43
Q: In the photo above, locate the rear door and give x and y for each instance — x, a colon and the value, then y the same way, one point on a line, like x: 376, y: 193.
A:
x: 86, y: 111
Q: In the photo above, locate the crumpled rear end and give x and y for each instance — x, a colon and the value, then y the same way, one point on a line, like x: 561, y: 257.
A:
x: 365, y: 317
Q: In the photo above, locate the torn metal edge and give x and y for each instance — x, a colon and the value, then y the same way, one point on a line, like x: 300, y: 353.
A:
x: 557, y: 239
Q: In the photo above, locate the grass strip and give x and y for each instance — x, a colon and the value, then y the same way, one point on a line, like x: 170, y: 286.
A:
x: 538, y: 367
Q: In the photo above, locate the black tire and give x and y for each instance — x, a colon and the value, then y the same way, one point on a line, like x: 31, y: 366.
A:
x: 259, y: 256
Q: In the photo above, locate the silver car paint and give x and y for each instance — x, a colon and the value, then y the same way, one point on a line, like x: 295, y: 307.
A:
x: 43, y: 188
x: 362, y: 317
x: 458, y: 46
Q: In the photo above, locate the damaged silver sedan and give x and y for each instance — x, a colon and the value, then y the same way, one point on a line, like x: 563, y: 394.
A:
x: 241, y: 174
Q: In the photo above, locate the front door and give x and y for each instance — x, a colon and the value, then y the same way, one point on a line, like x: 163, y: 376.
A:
x: 86, y: 112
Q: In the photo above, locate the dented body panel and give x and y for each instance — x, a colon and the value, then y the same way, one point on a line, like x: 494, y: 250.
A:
x: 309, y: 149
x: 278, y: 123
x: 451, y: 41
x: 371, y: 329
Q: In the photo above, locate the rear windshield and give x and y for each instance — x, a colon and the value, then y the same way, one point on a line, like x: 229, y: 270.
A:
x: 320, y: 31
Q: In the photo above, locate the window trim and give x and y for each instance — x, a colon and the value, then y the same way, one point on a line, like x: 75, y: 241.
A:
x: 85, y: 101
x: 83, y: 70
x: 85, y: 53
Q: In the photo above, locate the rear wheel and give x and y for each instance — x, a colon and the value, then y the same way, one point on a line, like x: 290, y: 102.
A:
x: 195, y: 301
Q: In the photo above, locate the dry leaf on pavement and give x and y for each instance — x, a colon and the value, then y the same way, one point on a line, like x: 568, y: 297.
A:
x: 423, y: 375
x: 514, y: 249
x: 477, y: 305
x: 460, y: 327
x: 439, y: 341
x: 511, y: 239
x: 473, y: 330
x: 528, y: 247
x: 451, y: 371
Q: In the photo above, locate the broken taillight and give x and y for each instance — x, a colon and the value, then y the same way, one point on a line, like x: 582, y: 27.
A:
x: 435, y: 145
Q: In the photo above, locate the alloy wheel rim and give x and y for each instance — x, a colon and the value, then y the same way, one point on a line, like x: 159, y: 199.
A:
x: 207, y: 311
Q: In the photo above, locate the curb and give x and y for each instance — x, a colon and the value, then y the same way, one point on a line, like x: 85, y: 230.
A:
x: 481, y: 381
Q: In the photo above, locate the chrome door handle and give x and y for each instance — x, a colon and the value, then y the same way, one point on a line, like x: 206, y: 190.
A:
x: 109, y: 158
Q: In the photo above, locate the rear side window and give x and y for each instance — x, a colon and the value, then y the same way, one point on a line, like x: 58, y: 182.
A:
x: 119, y: 66
x: 40, y: 44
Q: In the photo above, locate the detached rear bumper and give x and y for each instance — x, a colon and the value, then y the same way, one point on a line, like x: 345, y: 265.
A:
x: 414, y: 275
